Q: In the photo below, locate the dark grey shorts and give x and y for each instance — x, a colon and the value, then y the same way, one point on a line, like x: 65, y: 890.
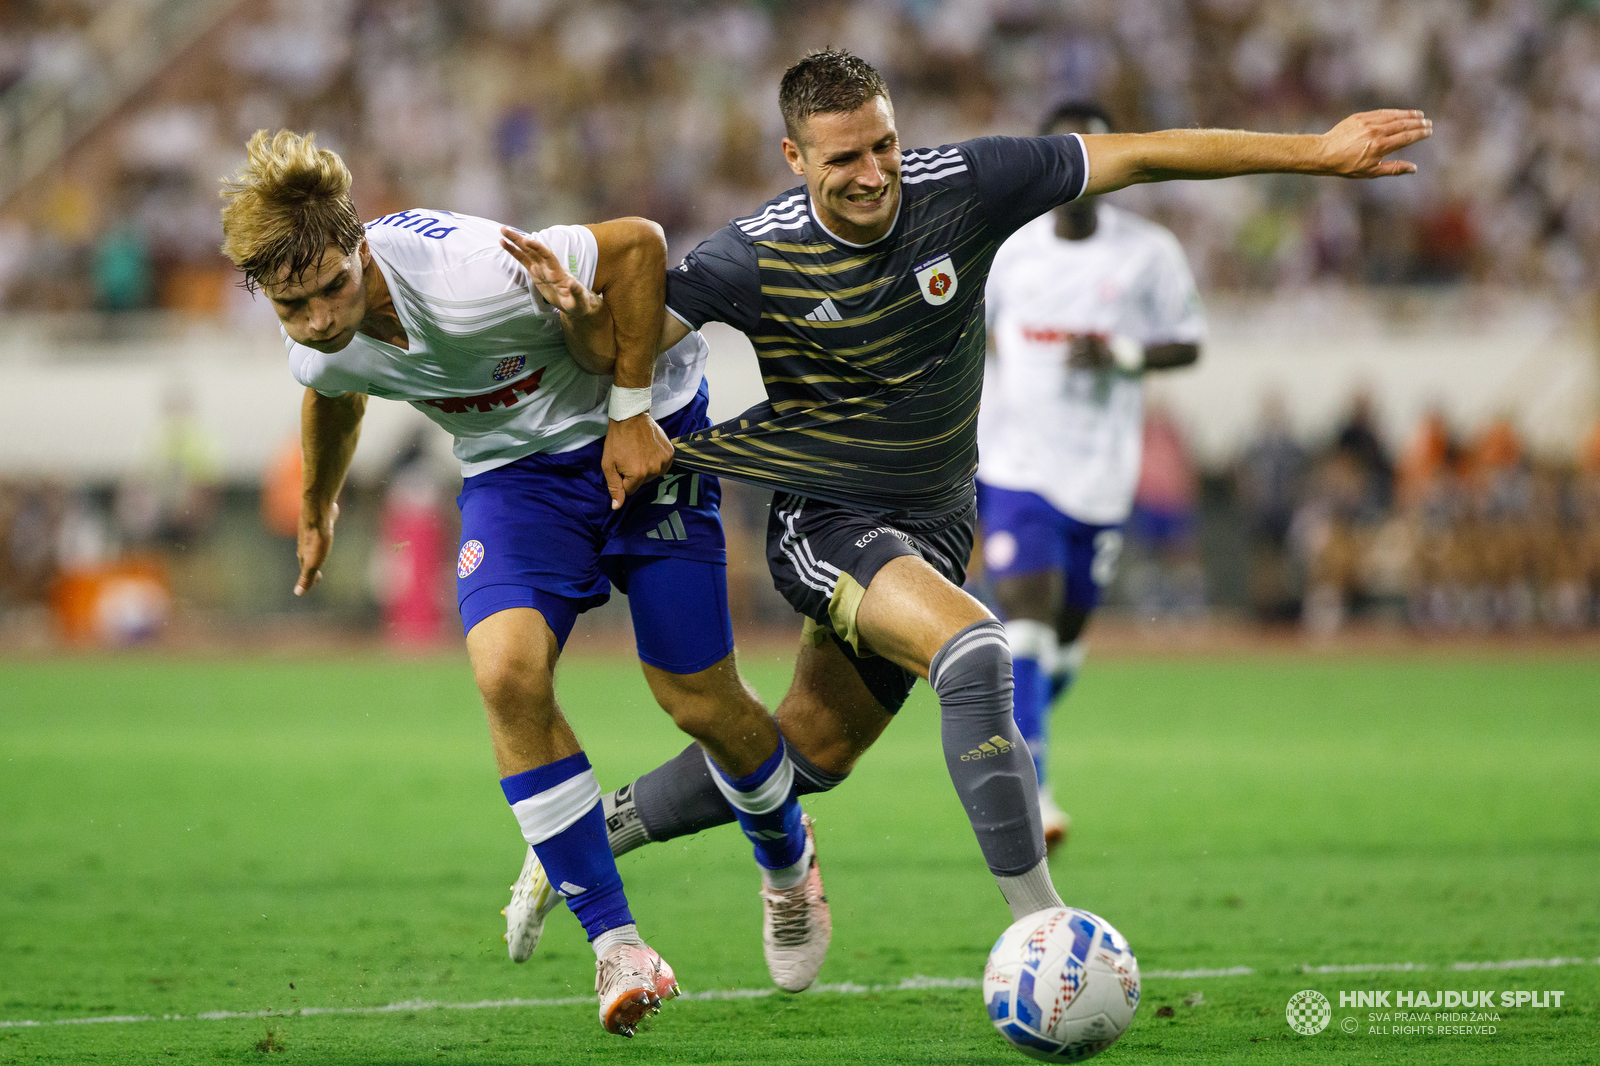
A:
x: 824, y: 555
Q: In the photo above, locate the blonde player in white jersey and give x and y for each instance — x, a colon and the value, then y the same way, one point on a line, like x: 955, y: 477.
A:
x: 469, y: 322
x: 1082, y: 303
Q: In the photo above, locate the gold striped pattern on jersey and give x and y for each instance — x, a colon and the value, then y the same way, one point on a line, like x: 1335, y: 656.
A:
x: 872, y: 388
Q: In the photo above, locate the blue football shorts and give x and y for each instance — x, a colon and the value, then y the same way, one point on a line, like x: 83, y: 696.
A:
x: 1024, y: 534
x: 540, y: 533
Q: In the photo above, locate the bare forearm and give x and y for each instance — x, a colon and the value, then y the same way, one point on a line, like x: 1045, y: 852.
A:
x: 590, y: 340
x: 1120, y: 159
x: 1355, y: 148
x: 329, y: 429
x: 632, y: 277
x: 1170, y: 356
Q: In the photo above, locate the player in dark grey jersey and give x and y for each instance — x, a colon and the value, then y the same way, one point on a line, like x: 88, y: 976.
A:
x: 862, y: 293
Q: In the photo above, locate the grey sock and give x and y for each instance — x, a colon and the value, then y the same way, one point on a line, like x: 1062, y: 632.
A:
x: 809, y: 778
x: 986, y: 756
x: 679, y: 797
x: 1030, y: 892
x: 624, y: 829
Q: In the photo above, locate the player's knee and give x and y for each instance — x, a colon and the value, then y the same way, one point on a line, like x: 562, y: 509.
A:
x: 972, y: 670
x: 709, y: 702
x: 513, y: 683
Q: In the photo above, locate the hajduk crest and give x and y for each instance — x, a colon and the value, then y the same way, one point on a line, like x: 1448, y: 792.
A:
x: 936, y: 279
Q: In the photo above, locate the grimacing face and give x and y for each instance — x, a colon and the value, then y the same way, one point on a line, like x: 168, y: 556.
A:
x: 851, y: 163
x: 323, y: 308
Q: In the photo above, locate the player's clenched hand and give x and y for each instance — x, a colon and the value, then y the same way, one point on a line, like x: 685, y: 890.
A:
x: 315, y: 540
x: 1356, y: 147
x: 1089, y: 351
x: 636, y: 451
x: 556, y: 286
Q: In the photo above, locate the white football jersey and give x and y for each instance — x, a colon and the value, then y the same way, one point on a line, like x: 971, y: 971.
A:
x: 1073, y: 436
x: 486, y: 360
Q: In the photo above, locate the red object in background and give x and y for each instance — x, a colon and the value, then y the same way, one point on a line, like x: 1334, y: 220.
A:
x: 114, y: 604
x: 1167, y: 479
x: 1446, y: 239
x: 414, y: 548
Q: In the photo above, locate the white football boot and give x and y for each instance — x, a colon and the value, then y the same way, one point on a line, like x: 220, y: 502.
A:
x: 1057, y: 823
x: 631, y: 981
x: 796, y: 925
x: 532, y: 898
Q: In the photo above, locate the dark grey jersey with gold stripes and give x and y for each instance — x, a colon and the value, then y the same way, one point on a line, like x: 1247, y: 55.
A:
x: 872, y: 355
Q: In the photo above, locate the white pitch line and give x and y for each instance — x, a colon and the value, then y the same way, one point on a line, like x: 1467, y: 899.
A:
x: 918, y: 983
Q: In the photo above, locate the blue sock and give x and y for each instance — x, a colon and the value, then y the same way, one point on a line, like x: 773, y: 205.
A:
x: 768, y: 812
x: 1031, y: 708
x: 558, y: 807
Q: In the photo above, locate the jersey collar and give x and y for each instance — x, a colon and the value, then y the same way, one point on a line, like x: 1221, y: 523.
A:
x: 812, y: 207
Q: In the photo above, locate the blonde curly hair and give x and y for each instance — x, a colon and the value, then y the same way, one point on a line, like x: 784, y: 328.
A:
x: 284, y: 207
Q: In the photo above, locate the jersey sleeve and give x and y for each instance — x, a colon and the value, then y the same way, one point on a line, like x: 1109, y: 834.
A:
x: 575, y: 247
x: 1020, y: 178
x: 308, y: 367
x: 1175, y: 314
x: 717, y: 282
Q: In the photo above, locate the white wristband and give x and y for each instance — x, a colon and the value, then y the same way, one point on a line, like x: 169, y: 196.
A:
x: 1127, y: 354
x: 626, y: 403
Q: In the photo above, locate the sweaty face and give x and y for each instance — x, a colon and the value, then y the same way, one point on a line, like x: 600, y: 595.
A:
x: 851, y: 162
x: 323, y: 307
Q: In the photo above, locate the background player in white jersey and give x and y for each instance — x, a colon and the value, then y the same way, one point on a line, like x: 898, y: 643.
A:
x: 469, y: 322
x: 1082, y: 303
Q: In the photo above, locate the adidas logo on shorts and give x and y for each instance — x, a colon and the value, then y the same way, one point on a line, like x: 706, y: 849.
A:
x: 995, y: 745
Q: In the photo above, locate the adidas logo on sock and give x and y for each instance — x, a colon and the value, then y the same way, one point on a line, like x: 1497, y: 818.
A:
x: 824, y: 312
x: 995, y: 745
x: 568, y: 889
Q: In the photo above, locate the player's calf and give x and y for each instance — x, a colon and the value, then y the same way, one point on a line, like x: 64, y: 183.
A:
x: 750, y: 765
x: 989, y: 763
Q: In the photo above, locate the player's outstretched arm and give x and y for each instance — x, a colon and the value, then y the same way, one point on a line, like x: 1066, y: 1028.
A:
x: 1355, y: 148
x: 329, y: 428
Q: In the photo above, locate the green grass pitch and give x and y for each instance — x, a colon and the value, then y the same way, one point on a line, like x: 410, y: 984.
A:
x: 180, y: 837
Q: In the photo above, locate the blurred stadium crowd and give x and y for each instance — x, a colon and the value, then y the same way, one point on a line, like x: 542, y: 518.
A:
x: 1453, y: 531
x: 534, y: 112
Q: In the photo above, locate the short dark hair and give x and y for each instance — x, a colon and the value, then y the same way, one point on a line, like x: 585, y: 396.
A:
x: 827, y: 81
x: 1086, y: 111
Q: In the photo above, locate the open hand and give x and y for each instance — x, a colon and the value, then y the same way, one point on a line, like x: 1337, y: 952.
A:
x: 556, y: 287
x: 1356, y: 147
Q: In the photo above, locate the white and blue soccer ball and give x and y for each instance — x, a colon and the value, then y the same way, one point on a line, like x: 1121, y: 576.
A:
x: 1061, y: 985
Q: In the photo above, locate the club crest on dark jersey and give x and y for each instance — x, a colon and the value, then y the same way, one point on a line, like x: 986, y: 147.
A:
x: 936, y: 279
x: 509, y: 367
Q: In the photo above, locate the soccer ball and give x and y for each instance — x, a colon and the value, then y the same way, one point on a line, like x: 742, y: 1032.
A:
x: 1061, y: 985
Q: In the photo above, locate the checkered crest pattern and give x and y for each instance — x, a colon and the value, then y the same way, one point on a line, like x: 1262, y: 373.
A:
x: 509, y: 367
x: 471, y: 556
x: 1308, y: 1012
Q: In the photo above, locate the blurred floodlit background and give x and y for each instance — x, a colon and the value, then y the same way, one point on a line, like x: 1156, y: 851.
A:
x: 1394, y: 423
